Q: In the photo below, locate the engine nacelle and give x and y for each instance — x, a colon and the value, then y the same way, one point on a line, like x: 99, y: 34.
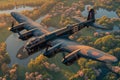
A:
x: 27, y: 35
x: 17, y: 28
x: 71, y: 58
x: 52, y: 51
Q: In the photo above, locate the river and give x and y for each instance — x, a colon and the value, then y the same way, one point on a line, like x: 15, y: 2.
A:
x: 16, y: 9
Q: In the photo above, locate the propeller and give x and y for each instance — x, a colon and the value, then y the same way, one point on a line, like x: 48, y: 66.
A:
x: 12, y: 25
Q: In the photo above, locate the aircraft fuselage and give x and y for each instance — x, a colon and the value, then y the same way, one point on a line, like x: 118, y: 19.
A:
x: 44, y: 40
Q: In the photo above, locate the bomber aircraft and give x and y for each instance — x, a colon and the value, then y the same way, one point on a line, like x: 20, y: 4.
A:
x: 38, y: 38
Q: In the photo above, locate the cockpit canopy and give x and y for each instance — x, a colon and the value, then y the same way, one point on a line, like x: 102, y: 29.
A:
x: 32, y: 41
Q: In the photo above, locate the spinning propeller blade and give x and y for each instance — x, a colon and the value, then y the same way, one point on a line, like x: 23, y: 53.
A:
x: 12, y: 25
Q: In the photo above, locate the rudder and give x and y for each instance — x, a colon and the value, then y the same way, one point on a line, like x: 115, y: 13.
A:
x: 91, y: 15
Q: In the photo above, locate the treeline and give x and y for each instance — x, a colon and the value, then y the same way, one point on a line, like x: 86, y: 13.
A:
x: 4, y: 60
x: 61, y: 14
x: 10, y: 4
x: 4, y: 57
x: 34, y: 14
x: 111, y: 5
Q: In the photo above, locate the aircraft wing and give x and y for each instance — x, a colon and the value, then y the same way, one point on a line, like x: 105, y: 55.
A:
x: 20, y: 18
x: 69, y: 46
x: 28, y: 23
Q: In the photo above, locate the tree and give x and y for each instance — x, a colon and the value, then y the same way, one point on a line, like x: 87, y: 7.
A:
x: 91, y: 64
x: 37, y: 64
x: 110, y: 76
x: 2, y: 48
x: 4, y: 68
x: 89, y: 73
x: 106, y: 41
x: 82, y: 62
x: 6, y: 58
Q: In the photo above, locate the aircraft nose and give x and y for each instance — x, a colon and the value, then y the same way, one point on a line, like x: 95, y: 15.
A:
x: 22, y: 54
x: 19, y: 56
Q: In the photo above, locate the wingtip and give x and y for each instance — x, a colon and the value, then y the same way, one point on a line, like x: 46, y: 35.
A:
x: 12, y: 13
x: 112, y: 59
x: 115, y: 59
